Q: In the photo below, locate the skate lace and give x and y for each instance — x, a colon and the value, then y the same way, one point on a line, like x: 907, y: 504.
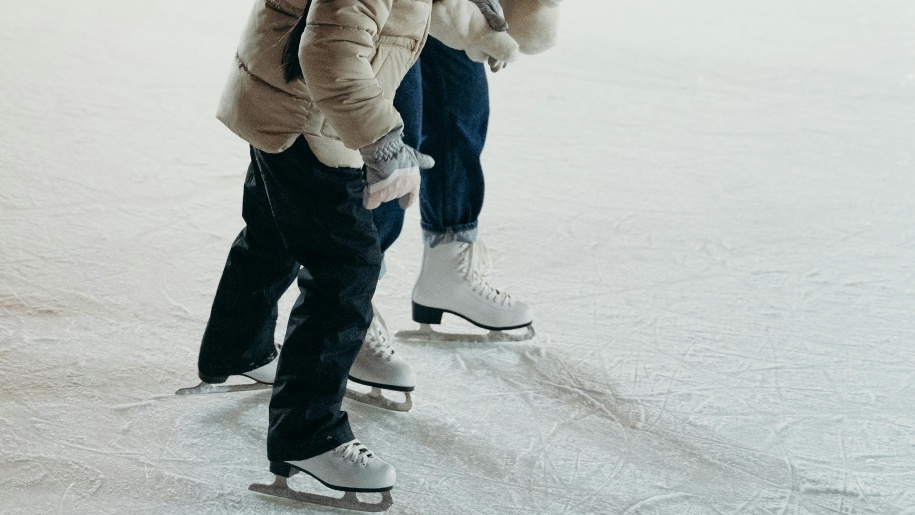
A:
x: 476, y: 265
x: 378, y: 338
x: 355, y: 452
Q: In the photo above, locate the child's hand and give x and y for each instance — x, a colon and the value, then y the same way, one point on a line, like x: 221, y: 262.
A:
x: 495, y: 64
x: 392, y: 170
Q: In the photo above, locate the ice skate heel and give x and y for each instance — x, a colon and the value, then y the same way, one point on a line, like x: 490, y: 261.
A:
x: 213, y: 384
x: 426, y: 315
x: 283, y: 469
x: 212, y: 379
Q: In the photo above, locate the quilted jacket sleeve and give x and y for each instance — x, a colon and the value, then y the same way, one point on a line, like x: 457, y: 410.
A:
x: 336, y: 52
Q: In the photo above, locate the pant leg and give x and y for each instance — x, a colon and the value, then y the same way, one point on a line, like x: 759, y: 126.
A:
x: 455, y: 121
x: 239, y: 333
x: 408, y: 100
x: 318, y: 211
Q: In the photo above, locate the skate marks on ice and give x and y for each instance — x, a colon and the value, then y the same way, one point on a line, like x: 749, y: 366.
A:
x: 715, y: 453
x: 349, y: 501
x: 426, y: 334
x: 46, y: 483
x: 17, y: 305
x: 580, y: 441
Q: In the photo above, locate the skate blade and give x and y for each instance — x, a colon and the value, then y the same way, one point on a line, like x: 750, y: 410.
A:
x: 377, y: 399
x: 426, y: 333
x: 222, y: 388
x: 349, y: 501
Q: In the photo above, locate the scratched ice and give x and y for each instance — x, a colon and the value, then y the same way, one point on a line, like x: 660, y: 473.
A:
x: 710, y: 205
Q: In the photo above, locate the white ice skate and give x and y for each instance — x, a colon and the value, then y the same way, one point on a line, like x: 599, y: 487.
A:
x: 263, y: 378
x: 455, y: 279
x: 350, y: 468
x: 379, y: 367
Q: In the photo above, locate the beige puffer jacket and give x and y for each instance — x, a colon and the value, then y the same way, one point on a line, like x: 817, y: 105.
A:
x: 354, y: 53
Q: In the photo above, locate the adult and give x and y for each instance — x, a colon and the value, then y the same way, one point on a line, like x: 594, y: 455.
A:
x: 444, y: 100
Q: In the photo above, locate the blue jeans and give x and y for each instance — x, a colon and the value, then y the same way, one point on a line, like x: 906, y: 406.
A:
x: 444, y: 102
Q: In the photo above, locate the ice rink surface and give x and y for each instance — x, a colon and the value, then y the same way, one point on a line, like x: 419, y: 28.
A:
x: 710, y: 205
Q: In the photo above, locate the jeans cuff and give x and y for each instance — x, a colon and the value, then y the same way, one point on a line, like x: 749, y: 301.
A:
x: 433, y: 239
x: 298, y: 449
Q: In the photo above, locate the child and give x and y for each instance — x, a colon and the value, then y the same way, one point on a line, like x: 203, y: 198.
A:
x: 306, y: 202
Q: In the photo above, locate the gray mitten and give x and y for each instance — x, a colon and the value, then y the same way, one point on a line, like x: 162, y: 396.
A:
x: 392, y: 170
x: 495, y: 64
x: 493, y: 13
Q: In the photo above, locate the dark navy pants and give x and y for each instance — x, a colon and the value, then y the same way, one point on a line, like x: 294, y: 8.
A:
x: 297, y: 212
x: 444, y: 101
